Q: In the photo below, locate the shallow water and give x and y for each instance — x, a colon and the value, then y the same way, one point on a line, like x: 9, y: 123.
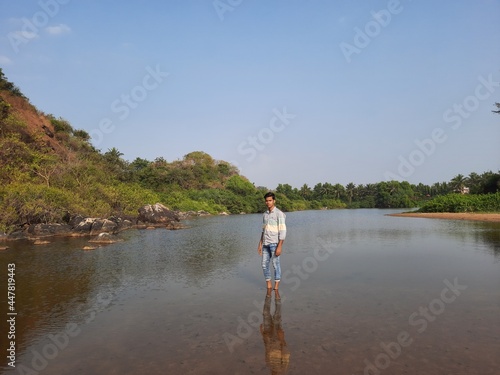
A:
x: 361, y: 292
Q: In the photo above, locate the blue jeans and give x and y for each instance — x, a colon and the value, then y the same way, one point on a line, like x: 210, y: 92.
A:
x: 268, y: 253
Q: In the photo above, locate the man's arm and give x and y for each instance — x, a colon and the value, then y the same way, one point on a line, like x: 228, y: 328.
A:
x: 279, y: 247
x: 259, y: 249
x: 281, y: 234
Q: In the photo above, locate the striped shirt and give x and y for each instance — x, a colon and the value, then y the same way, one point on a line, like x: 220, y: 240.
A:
x: 273, y: 226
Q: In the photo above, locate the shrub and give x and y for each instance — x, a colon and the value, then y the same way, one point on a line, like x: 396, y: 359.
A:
x: 463, y: 203
x: 34, y: 203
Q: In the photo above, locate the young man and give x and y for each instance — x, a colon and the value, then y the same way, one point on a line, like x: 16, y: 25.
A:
x: 271, y: 240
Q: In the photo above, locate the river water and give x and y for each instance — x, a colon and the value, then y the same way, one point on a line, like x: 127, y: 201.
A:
x: 361, y: 293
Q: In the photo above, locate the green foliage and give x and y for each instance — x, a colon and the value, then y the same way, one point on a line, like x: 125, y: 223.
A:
x: 463, y: 203
x: 35, y: 203
x: 9, y: 86
x: 4, y: 109
x: 186, y: 201
x: 82, y: 134
x: 60, y: 125
x: 240, y: 185
x: 15, y: 159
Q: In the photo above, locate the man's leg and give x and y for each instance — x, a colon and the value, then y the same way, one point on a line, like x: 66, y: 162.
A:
x: 266, y: 258
x: 277, y: 269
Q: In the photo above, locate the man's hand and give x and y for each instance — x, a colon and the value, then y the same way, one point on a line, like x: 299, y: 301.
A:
x: 278, y: 251
x: 259, y: 249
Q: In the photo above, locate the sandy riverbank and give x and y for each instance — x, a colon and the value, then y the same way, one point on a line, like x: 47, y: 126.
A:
x: 494, y: 217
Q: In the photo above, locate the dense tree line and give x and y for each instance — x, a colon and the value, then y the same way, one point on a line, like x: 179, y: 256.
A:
x: 50, y: 171
x: 387, y: 194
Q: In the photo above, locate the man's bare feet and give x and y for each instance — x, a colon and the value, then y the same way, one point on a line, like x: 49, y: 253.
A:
x: 269, y: 285
x: 276, y: 285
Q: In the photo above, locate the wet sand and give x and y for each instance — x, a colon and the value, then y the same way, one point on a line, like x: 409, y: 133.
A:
x: 491, y: 217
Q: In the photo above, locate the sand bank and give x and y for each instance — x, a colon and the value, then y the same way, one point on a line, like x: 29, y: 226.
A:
x: 452, y: 215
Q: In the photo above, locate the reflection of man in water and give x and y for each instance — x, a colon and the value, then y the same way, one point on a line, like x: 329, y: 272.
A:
x: 277, y: 353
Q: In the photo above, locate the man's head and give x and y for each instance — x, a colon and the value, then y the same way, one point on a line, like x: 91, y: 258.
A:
x: 270, y: 200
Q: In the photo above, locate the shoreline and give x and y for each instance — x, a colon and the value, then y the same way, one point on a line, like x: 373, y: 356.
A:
x: 489, y: 217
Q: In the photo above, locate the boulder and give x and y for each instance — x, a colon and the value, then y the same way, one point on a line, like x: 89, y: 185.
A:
x: 84, y: 226
x: 47, y: 230
x: 121, y: 224
x: 94, y: 226
x: 157, y: 214
x: 75, y: 220
x: 103, y: 226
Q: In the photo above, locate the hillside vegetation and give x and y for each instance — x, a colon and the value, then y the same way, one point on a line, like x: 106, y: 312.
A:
x: 50, y: 171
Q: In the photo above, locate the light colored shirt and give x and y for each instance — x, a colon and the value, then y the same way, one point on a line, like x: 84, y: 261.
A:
x: 273, y: 226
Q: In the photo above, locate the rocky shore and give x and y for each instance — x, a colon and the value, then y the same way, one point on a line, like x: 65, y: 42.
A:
x: 103, y: 229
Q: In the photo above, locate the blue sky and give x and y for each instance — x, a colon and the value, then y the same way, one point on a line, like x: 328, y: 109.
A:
x: 289, y: 91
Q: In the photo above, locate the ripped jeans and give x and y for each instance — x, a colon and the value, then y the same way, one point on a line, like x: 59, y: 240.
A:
x: 268, y: 253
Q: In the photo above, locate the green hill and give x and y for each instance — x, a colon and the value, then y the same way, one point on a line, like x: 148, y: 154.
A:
x: 50, y: 171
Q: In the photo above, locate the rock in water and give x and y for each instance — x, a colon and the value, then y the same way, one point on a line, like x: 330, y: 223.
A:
x: 157, y: 214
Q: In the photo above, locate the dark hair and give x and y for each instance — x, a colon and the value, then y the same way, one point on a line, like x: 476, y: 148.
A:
x: 270, y: 194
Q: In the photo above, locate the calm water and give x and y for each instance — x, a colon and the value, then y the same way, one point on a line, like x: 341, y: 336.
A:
x: 361, y: 293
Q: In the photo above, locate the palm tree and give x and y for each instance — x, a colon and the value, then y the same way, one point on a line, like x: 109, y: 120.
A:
x: 113, y: 157
x: 458, y: 183
x: 350, y: 189
x: 305, y: 191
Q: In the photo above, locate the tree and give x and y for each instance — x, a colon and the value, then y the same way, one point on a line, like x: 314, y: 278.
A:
x: 305, y: 192
x: 491, y: 182
x: 350, y: 190
x: 46, y: 166
x: 458, y: 183
x: 240, y: 185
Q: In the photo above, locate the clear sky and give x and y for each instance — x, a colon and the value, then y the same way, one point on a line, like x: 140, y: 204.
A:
x: 290, y: 91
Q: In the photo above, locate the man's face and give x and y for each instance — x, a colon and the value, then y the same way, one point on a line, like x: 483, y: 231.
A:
x: 270, y: 203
